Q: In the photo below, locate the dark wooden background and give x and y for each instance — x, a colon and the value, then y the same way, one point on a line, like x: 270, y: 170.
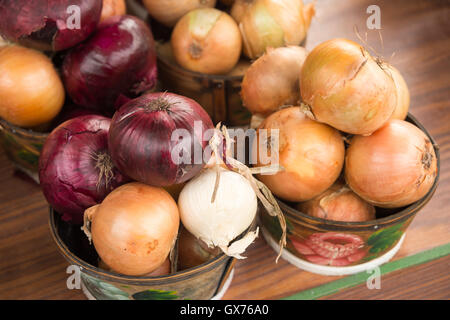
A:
x: 418, y: 32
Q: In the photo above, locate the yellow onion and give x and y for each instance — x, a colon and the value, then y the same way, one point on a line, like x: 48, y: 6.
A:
x: 346, y: 88
x: 273, y: 79
x: 273, y: 23
x: 207, y: 41
x: 168, y: 12
x: 112, y: 8
x: 403, y: 98
x: 31, y: 92
x: 238, y: 9
x: 338, y: 203
x: 311, y: 153
x: 134, y: 228
x: 393, y: 167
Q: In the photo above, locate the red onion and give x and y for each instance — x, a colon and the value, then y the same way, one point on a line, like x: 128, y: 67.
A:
x: 75, y: 169
x: 49, y: 24
x: 141, y: 138
x: 118, y: 60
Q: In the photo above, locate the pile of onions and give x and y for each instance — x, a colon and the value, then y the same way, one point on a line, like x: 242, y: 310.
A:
x: 311, y: 153
x: 112, y: 8
x: 75, y: 169
x: 168, y: 12
x: 31, y: 91
x: 346, y: 88
x: 141, y: 141
x: 393, y: 167
x: 118, y: 60
x: 49, y: 24
x: 268, y: 23
x: 272, y: 80
x: 193, y: 252
x: 219, y: 222
x: 338, y: 203
x: 207, y: 41
x: 134, y: 228
x: 403, y: 98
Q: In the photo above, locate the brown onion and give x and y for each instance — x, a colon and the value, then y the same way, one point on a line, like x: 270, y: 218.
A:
x: 272, y: 80
x: 238, y: 9
x: 268, y: 23
x: 346, y: 88
x: 134, y: 228
x: 403, y: 98
x: 112, y: 8
x: 207, y: 41
x: 338, y: 203
x: 393, y: 167
x: 311, y: 153
x: 168, y: 12
x: 31, y: 92
x: 162, y: 270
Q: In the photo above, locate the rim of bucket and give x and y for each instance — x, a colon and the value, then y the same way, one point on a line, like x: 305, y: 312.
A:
x: 403, y: 214
x: 22, y: 132
x: 131, y: 280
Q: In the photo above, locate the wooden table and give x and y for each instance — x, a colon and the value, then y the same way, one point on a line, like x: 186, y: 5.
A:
x: 418, y: 32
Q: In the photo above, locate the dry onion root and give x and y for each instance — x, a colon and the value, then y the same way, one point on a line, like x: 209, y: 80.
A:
x: 208, y: 41
x: 272, y: 80
x: 268, y: 23
x: 168, y: 12
x: 228, y: 207
x: 344, y: 86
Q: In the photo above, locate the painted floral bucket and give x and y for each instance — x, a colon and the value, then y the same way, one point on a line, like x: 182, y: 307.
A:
x: 339, y: 248
x: 206, y: 281
x: 22, y: 146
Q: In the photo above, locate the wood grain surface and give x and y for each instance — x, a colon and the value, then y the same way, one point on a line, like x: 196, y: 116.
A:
x: 418, y: 32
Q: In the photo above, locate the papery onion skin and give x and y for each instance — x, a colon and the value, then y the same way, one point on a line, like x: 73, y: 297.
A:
x: 68, y: 166
x: 141, y: 138
x: 118, y: 60
x: 393, y: 167
x: 49, y: 24
x: 338, y: 203
x: 162, y: 270
x: 268, y: 23
x: 232, y: 212
x: 207, y: 41
x: 238, y: 9
x: 134, y: 228
x: 346, y: 88
x: 403, y: 96
x: 31, y: 92
x: 112, y: 8
x: 311, y: 153
x: 272, y: 80
x: 168, y: 12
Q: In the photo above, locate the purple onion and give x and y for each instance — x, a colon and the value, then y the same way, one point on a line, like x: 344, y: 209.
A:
x: 75, y: 168
x: 118, y: 61
x: 49, y: 24
x: 141, y: 141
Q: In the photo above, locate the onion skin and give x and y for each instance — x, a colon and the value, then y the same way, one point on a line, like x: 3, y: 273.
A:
x: 346, y: 88
x: 68, y: 175
x: 207, y: 41
x: 338, y: 203
x: 134, y: 228
x: 42, y: 24
x: 403, y: 97
x: 141, y: 133
x: 112, y: 8
x: 31, y: 92
x: 168, y: 12
x: 162, y: 270
x: 272, y: 80
x: 311, y: 153
x: 118, y: 60
x: 268, y: 23
x: 193, y: 252
x: 393, y: 167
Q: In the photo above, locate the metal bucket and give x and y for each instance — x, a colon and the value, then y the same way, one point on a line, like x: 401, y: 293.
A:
x: 369, y: 244
x: 206, y: 281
